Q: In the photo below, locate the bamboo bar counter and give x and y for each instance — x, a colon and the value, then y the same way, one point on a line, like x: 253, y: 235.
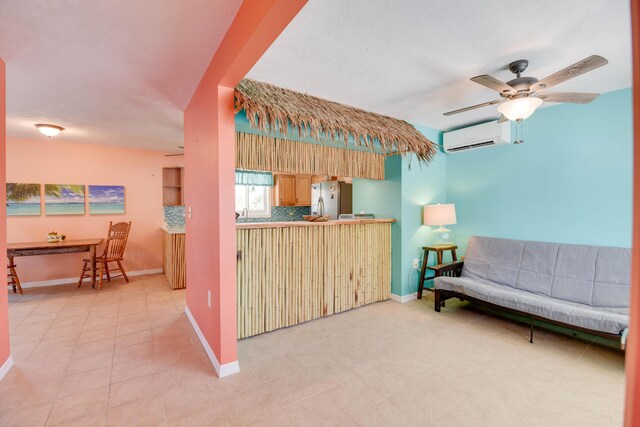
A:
x: 293, y: 272
x: 174, y: 258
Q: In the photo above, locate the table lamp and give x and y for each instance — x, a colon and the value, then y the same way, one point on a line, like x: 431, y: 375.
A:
x: 440, y: 215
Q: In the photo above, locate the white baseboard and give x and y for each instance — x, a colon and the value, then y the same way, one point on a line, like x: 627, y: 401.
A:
x: 68, y: 280
x: 4, y: 369
x: 403, y: 299
x: 224, y: 370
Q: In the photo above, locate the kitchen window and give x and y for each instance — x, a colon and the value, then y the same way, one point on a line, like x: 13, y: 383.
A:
x: 255, y: 199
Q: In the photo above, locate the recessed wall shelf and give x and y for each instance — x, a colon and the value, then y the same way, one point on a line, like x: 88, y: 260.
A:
x: 172, y: 194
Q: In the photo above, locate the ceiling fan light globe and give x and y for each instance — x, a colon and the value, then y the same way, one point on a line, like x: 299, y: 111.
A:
x: 519, y: 109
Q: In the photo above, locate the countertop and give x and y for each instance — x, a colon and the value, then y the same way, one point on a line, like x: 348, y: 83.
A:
x: 250, y: 225
x: 173, y: 230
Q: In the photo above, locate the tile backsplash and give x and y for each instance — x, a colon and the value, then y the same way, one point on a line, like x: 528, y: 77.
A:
x: 174, y: 216
x: 282, y: 213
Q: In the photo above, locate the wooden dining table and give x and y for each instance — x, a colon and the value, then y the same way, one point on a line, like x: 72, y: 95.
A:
x: 53, y: 248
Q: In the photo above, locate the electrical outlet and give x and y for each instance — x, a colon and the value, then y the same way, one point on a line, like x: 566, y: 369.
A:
x: 209, y: 298
x: 189, y: 212
x: 416, y: 263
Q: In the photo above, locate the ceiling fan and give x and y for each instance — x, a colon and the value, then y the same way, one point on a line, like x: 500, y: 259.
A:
x: 521, y: 96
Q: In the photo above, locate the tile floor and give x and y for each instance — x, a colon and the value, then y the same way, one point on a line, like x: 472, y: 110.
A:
x: 127, y: 356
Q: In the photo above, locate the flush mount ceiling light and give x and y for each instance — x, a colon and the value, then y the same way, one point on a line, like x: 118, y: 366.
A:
x: 520, y: 108
x: 49, y: 130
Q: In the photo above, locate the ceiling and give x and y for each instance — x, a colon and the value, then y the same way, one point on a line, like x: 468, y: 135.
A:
x: 121, y: 72
x: 412, y: 59
x: 116, y: 72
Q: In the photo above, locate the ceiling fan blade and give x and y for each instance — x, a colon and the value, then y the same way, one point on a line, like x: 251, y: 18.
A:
x: 503, y: 119
x: 571, y: 97
x: 493, y: 83
x: 473, y: 107
x: 575, y: 70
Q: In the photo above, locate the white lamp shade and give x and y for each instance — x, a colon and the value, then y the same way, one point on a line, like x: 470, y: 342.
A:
x: 439, y: 214
x: 519, y: 109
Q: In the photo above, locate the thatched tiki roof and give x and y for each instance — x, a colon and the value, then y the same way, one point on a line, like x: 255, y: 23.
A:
x: 271, y: 108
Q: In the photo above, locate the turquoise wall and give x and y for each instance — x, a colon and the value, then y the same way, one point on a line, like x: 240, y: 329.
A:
x: 407, y: 187
x: 421, y: 185
x: 570, y: 182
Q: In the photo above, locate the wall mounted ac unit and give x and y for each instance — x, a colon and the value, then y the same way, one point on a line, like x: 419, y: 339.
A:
x: 478, y: 136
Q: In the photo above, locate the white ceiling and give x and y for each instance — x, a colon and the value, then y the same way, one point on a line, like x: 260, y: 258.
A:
x: 120, y: 72
x: 412, y: 59
x: 116, y: 72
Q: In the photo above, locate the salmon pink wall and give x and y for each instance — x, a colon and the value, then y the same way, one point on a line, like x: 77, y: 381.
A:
x: 4, y: 309
x: 209, y: 134
x: 54, y: 161
x: 632, y: 360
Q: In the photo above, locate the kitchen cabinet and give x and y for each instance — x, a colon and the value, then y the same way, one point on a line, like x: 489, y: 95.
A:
x: 303, y: 190
x: 285, y: 190
x: 292, y: 190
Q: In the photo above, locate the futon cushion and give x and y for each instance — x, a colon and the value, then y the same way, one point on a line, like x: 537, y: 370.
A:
x: 612, y: 282
x: 537, y: 267
x: 591, y: 275
x: 574, y: 273
x: 600, y: 319
x: 581, y: 285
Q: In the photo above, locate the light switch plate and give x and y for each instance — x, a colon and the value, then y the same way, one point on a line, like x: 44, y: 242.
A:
x: 209, y: 298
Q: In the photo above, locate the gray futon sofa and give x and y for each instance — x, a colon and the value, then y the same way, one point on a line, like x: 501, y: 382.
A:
x: 583, y: 287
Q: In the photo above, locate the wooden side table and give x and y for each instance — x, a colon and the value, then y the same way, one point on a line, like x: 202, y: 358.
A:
x: 439, y: 250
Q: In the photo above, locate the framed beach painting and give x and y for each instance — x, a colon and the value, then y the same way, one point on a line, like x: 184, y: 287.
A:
x: 64, y: 199
x: 106, y: 199
x: 23, y: 199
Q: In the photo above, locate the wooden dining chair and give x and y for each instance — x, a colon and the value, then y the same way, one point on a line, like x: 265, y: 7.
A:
x: 113, y: 253
x: 12, y: 276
